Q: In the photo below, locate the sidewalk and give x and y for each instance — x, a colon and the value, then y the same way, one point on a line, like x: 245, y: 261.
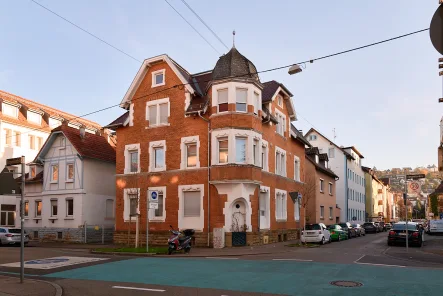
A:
x: 11, y: 286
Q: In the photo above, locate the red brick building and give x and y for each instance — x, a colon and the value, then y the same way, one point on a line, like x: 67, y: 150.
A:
x: 217, y: 149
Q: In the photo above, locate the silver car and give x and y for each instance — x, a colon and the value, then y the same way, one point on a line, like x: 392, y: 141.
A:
x: 11, y: 236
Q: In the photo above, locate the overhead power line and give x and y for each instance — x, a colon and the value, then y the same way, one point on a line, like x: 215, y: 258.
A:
x: 203, y: 22
x: 263, y: 71
x: 193, y: 27
x: 86, y: 31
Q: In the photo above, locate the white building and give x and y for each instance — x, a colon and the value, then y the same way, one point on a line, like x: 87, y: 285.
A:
x: 346, y: 163
x: 72, y: 182
x: 24, y: 127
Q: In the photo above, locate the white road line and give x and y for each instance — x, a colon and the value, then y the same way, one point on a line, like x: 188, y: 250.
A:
x: 223, y: 258
x: 379, y: 264
x: 304, y: 260
x: 356, y: 261
x: 135, y: 288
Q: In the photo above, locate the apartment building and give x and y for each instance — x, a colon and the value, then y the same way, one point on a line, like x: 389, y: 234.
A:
x: 216, y: 150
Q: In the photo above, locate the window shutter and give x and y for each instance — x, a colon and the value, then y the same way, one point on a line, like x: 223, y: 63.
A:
x: 164, y: 113
x: 191, y: 202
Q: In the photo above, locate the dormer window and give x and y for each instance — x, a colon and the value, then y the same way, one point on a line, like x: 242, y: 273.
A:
x: 53, y: 123
x: 9, y: 110
x: 34, y: 117
x: 158, y: 78
x: 280, y: 101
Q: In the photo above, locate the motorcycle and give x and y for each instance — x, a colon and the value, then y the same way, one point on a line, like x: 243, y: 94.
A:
x: 180, y: 240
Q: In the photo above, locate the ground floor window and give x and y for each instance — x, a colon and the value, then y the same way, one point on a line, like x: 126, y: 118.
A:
x: 7, y: 215
x: 69, y: 207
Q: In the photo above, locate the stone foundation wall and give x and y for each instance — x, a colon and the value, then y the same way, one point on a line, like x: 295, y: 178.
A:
x: 160, y: 238
x: 46, y: 234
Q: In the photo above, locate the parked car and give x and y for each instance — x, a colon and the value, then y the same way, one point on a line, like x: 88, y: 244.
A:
x: 379, y: 227
x: 337, y: 233
x: 370, y: 227
x: 382, y: 226
x: 398, y: 234
x: 348, y: 227
x: 435, y: 226
x: 388, y: 226
x: 315, y: 233
x: 11, y: 236
x: 360, y: 231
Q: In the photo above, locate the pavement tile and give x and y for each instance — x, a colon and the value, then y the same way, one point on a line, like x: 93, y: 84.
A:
x: 12, y: 286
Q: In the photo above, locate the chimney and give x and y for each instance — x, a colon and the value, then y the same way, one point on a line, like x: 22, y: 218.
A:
x: 82, y: 132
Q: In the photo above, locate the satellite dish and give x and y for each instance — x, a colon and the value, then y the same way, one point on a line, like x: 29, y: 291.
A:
x: 436, y: 29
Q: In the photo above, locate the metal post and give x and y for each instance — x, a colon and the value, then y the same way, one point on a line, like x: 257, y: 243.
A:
x: 406, y: 212
x: 103, y: 234
x: 147, y: 224
x: 137, y: 219
x: 22, y: 226
x: 85, y: 226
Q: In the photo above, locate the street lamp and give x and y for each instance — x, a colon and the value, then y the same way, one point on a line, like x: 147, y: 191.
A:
x: 294, y: 69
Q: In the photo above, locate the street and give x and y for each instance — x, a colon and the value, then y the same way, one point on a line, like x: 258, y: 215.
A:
x: 381, y: 270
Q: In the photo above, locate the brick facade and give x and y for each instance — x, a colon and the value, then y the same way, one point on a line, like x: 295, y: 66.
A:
x: 248, y: 178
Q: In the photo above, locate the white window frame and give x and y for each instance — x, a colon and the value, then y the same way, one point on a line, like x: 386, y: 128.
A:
x: 53, y: 123
x: 67, y: 172
x: 51, y: 209
x: 282, y: 122
x: 185, y: 141
x: 322, y: 209
x: 31, y: 140
x: 36, y: 208
x: 322, y: 185
x: 157, y: 103
x: 127, y: 204
x: 265, y: 158
x: 196, y: 223
x: 152, y: 211
x: 218, y: 101
x: 67, y: 208
x: 256, y: 156
x: 8, y: 136
x: 218, y: 140
x: 53, y: 181
x: 154, y: 74
x: 257, y: 102
x: 281, y: 197
x: 330, y: 188
x: 17, y: 139
x: 30, y: 114
x: 282, y: 152
x: 296, y: 210
x: 246, y: 149
x: 246, y: 102
x: 331, y: 213
x: 9, y: 106
x: 129, y: 148
x: 331, y: 155
x: 152, y: 146
x: 280, y: 101
x: 297, y: 166
x: 26, y: 215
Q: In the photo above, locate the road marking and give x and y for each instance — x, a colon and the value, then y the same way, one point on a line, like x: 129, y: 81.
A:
x: 359, y: 259
x: 304, y: 260
x: 224, y: 258
x: 375, y: 264
x: 141, y: 289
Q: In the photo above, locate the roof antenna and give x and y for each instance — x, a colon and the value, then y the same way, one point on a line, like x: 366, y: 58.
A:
x: 233, y: 39
x: 335, y: 135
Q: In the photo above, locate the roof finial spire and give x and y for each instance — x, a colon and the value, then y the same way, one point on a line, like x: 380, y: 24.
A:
x: 233, y: 39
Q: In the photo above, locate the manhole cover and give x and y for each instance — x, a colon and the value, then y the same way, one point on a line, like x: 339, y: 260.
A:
x: 346, y: 284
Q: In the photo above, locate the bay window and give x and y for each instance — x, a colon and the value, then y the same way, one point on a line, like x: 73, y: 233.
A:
x: 241, y: 96
x: 222, y: 96
x: 223, y: 150
x: 255, y: 147
x: 240, y: 149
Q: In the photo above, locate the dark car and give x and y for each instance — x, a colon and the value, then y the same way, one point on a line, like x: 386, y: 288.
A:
x: 382, y: 226
x: 388, y: 226
x: 398, y: 234
x: 379, y: 227
x: 370, y: 227
x: 359, y: 230
x: 348, y: 227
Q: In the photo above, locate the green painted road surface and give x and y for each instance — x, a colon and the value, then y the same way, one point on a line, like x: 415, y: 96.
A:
x: 274, y: 277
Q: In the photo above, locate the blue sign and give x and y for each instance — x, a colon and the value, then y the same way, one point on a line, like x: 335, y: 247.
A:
x: 154, y: 195
x: 441, y: 215
x: 47, y: 261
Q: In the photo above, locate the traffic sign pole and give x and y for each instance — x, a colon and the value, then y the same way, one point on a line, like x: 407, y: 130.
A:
x: 22, y: 229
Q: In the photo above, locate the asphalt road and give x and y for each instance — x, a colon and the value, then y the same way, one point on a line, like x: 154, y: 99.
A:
x: 381, y: 270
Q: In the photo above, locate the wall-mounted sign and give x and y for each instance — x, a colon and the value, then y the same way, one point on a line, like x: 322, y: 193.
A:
x: 153, y: 196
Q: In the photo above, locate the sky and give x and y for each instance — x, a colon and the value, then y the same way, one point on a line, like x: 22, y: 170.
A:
x: 383, y: 100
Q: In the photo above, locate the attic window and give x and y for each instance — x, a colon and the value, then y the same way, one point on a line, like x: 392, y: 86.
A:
x: 280, y: 101
x: 9, y: 110
x: 158, y: 78
x: 62, y: 142
x: 34, y: 117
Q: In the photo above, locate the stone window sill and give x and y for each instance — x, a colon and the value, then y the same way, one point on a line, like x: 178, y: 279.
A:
x: 69, y: 218
x: 281, y: 220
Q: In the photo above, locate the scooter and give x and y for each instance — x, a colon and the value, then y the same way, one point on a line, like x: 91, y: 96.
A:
x: 178, y: 242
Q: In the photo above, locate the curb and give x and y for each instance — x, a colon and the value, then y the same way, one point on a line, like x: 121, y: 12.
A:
x: 58, y: 288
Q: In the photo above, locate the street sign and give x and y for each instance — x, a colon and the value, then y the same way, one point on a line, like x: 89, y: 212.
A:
x: 13, y: 161
x: 153, y: 205
x: 415, y: 176
x: 436, y: 29
x: 414, y: 187
x: 441, y: 215
x: 153, y: 197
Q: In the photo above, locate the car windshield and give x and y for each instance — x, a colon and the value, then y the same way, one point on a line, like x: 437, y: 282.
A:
x: 343, y: 225
x: 313, y: 227
x: 334, y: 227
x: 14, y: 230
x: 403, y: 227
x: 354, y: 225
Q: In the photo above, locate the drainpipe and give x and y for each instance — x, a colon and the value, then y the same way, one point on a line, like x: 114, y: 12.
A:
x: 209, y: 172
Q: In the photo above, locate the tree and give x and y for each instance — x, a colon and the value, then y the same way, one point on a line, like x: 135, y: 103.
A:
x: 434, y: 204
x: 308, y: 192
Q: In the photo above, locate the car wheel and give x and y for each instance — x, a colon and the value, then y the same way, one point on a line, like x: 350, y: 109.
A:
x: 323, y: 240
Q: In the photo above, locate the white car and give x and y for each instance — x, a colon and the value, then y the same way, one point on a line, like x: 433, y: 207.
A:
x: 435, y: 226
x: 315, y: 233
x: 11, y: 236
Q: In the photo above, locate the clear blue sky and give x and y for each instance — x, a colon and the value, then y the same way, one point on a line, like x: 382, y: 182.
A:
x: 383, y: 99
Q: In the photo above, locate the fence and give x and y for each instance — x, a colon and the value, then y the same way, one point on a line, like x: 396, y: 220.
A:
x: 98, y: 234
